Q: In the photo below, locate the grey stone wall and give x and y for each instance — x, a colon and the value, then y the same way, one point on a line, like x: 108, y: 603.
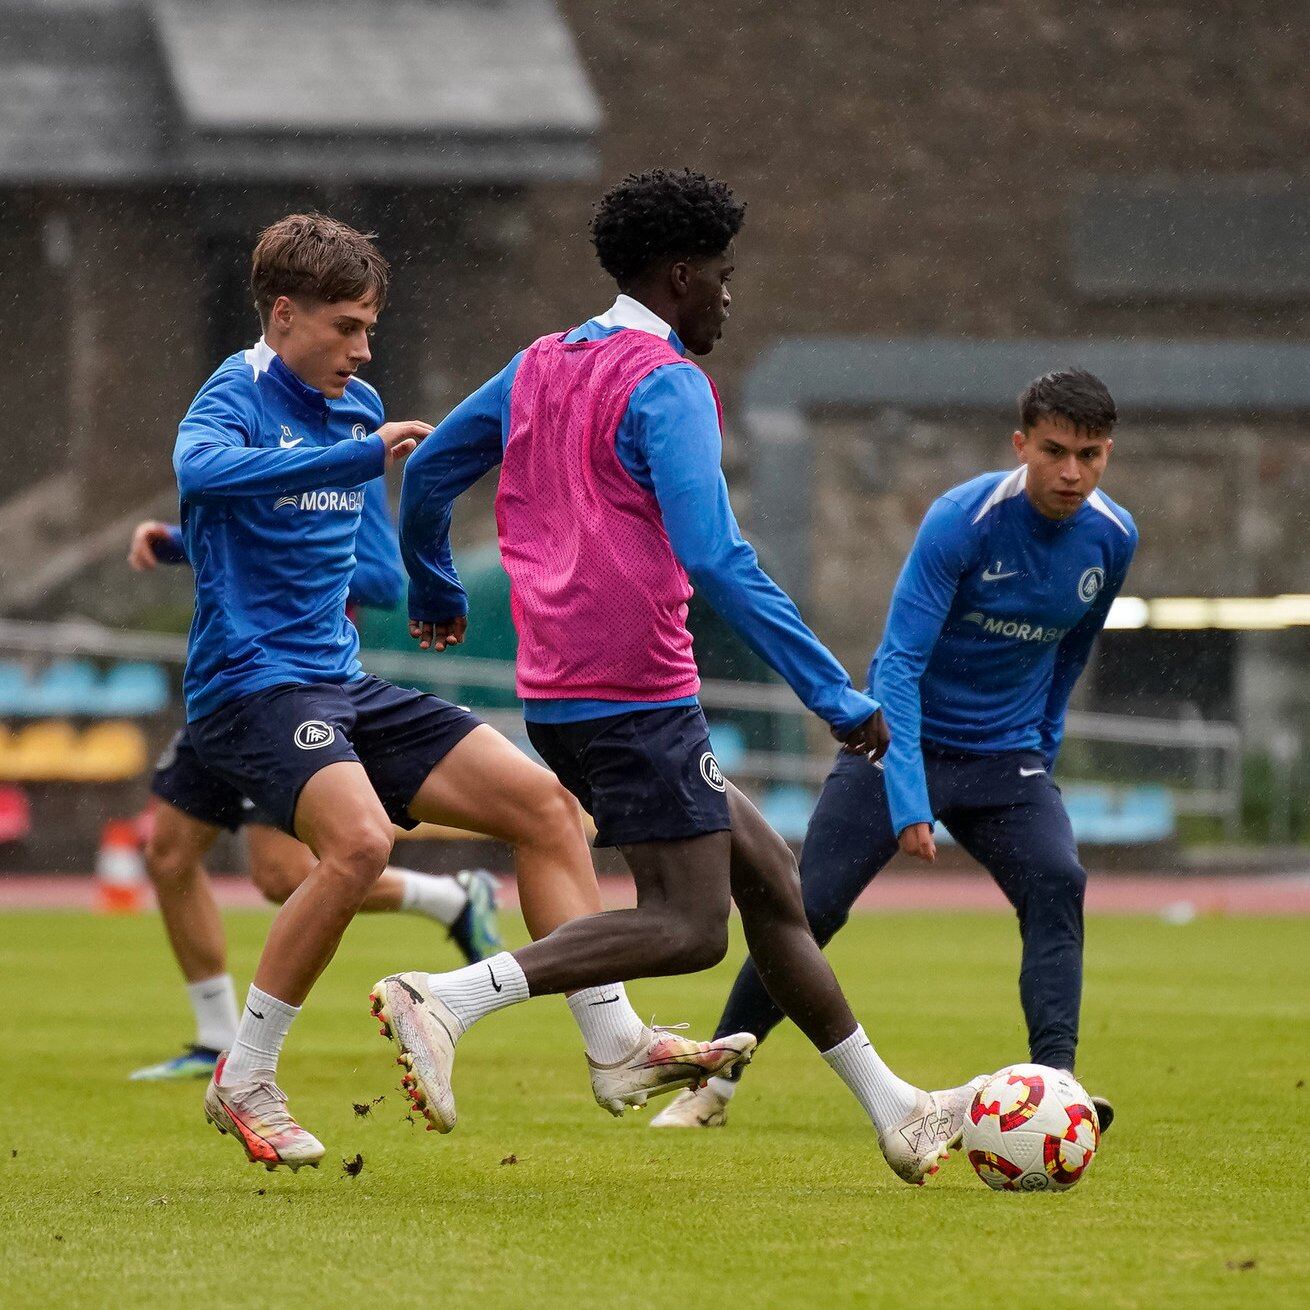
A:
x: 1222, y: 509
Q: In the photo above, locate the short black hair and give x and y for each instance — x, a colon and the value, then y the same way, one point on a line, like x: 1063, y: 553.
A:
x: 1073, y: 394
x: 665, y: 214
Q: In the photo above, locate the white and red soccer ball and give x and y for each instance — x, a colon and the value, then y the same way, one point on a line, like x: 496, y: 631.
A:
x: 1031, y: 1129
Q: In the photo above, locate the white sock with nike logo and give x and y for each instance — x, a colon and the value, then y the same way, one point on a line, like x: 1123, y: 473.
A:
x: 886, y: 1098
x: 610, y: 1027
x: 214, y: 1003
x: 264, y: 1025
x: 480, y: 989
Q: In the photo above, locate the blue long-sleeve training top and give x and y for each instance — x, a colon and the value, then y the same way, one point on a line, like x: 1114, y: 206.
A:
x: 378, y: 581
x: 670, y: 443
x: 271, y: 476
x: 991, y: 622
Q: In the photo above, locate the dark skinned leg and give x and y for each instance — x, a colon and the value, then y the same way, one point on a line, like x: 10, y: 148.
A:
x: 767, y: 889
x: 680, y: 923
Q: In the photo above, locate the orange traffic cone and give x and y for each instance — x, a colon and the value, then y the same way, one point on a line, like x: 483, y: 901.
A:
x: 120, y: 869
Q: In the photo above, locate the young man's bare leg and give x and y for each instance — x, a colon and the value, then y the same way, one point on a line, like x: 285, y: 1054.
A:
x: 174, y: 858
x: 680, y: 925
x: 914, y: 1127
x: 487, y: 785
x: 339, y: 816
x: 766, y: 886
x: 279, y: 864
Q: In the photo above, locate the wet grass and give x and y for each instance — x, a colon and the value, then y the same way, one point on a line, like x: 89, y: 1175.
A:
x: 112, y: 1193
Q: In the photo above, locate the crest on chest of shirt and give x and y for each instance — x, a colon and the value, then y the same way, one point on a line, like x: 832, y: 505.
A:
x: 1090, y: 584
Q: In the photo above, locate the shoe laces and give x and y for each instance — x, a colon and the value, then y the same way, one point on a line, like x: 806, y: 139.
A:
x: 269, y: 1102
x: 673, y: 1030
x: 667, y: 1027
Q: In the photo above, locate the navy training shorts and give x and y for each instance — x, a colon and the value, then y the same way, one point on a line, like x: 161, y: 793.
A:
x: 269, y: 744
x: 187, y: 785
x: 645, y: 775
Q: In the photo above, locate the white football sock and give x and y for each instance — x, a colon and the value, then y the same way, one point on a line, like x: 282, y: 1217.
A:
x: 886, y: 1098
x: 723, y: 1087
x: 435, y: 896
x: 609, y: 1024
x: 214, y: 1003
x: 478, y: 990
x: 264, y: 1025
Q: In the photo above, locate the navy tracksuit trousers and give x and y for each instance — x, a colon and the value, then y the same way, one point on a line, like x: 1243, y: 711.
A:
x: 1006, y: 812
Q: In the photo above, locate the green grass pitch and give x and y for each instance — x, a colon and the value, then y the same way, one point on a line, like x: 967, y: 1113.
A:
x: 118, y: 1194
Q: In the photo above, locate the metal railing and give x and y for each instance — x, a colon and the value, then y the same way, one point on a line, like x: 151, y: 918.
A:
x: 1205, y: 780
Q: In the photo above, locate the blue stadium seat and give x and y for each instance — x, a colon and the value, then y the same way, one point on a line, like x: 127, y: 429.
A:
x: 66, y: 687
x: 132, y: 689
x: 787, y: 809
x: 1107, y: 816
x: 15, y: 689
x: 729, y: 745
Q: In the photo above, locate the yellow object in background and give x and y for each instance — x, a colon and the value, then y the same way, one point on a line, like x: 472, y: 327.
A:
x: 110, y: 752
x: 52, y: 750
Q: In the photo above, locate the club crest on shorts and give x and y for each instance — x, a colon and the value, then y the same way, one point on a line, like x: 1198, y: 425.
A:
x: 1090, y: 584
x: 314, y: 733
x: 710, y: 771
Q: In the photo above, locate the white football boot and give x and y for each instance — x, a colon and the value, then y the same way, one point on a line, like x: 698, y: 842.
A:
x: 256, y: 1115
x: 697, y: 1107
x: 663, y: 1062
x: 425, y: 1030
x: 917, y: 1145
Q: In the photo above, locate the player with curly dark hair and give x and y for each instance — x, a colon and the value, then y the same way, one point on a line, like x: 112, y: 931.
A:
x: 611, y: 502
x: 664, y: 214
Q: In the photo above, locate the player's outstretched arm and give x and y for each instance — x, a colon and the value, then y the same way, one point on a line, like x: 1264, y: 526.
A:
x: 467, y: 443
x: 682, y: 446
x: 213, y: 461
x: 920, y: 603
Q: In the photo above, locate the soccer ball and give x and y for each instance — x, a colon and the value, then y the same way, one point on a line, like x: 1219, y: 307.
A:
x: 1031, y: 1129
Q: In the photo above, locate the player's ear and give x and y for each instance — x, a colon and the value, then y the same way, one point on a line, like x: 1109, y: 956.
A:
x: 1019, y: 441
x: 680, y: 275
x: 282, y: 312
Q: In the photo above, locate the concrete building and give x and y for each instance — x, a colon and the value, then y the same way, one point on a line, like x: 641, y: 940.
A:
x: 1027, y: 177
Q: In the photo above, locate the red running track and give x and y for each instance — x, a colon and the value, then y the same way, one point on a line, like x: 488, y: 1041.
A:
x: 1176, y: 897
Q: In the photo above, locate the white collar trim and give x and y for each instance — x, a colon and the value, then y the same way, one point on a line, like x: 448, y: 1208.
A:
x: 260, y: 356
x: 1098, y: 503
x: 1010, y: 485
x: 626, y: 312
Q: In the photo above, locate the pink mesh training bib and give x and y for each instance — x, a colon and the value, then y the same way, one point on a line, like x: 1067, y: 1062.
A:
x: 597, y: 595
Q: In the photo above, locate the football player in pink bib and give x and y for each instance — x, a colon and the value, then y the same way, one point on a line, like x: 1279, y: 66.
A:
x: 611, y: 504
